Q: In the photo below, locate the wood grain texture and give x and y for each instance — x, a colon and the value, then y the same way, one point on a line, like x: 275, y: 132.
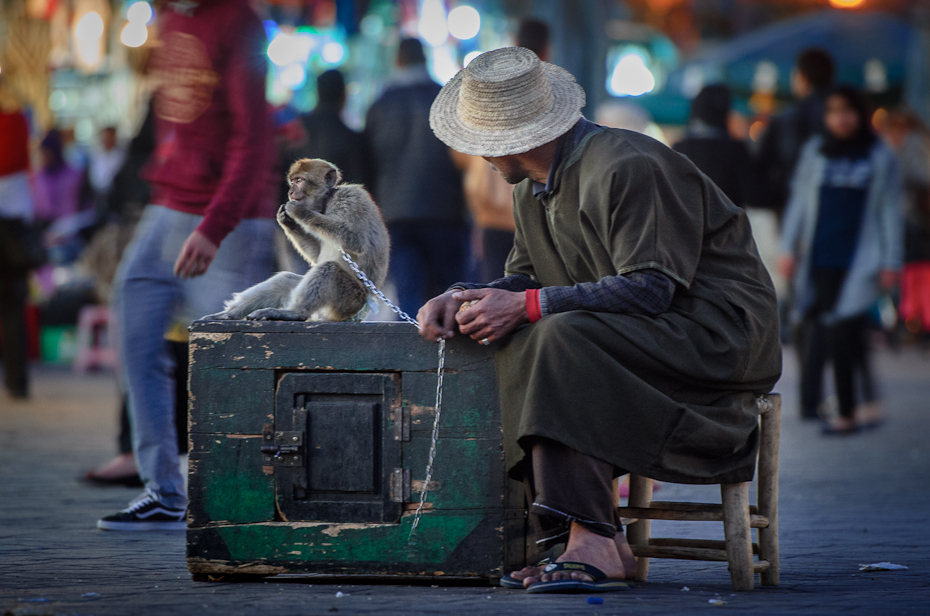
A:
x: 327, y: 382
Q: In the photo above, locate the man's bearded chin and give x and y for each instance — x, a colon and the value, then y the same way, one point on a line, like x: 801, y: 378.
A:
x: 513, y: 174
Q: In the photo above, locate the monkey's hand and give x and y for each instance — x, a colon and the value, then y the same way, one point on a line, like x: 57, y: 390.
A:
x: 496, y: 314
x: 219, y: 316
x: 437, y: 317
x: 275, y: 314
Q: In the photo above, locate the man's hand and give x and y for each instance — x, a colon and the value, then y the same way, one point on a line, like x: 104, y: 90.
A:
x: 437, y: 317
x: 496, y: 314
x: 195, y: 257
x: 888, y: 280
x: 786, y: 266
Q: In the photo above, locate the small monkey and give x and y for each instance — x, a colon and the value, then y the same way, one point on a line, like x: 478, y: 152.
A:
x: 321, y: 217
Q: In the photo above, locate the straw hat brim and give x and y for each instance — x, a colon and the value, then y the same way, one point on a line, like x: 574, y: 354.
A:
x: 567, y: 100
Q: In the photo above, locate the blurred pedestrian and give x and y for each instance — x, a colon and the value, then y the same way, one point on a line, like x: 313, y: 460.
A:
x: 416, y: 184
x: 842, y: 244
x: 208, y: 232
x: 787, y: 132
x: 16, y: 214
x: 708, y: 144
x: 63, y: 201
x: 328, y: 137
x: 105, y: 161
x: 911, y: 141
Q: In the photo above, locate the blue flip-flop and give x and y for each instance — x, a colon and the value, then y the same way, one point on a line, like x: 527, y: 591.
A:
x: 601, y: 582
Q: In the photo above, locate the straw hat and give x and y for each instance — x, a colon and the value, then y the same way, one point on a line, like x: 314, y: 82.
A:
x: 506, y: 102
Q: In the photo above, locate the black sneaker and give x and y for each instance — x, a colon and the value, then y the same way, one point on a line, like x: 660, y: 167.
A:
x: 145, y: 513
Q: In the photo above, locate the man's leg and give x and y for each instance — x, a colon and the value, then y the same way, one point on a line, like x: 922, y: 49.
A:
x: 407, y: 271
x: 573, y: 491
x: 146, y: 294
x: 13, y: 293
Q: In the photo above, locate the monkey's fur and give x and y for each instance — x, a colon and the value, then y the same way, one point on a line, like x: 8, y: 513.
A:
x: 321, y: 217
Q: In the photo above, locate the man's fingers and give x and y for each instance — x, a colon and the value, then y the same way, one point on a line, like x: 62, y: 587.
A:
x: 470, y: 294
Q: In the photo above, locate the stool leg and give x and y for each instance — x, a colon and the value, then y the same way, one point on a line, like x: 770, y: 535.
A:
x: 638, y: 532
x: 738, y: 534
x: 768, y: 489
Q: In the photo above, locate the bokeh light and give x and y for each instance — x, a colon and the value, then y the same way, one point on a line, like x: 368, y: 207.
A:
x: 433, y: 27
x: 470, y: 56
x: 286, y: 49
x: 140, y: 12
x: 87, y: 34
x: 293, y: 76
x: 846, y: 4
x: 134, y: 34
x: 333, y: 52
x: 464, y: 22
x: 631, y: 76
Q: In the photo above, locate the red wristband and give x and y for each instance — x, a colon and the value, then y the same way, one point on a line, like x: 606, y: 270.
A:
x: 533, y: 307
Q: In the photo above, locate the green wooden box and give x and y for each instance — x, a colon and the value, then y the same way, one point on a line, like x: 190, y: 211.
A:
x: 308, y: 450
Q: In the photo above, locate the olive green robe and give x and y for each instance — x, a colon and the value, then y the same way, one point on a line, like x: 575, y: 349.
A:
x: 670, y: 397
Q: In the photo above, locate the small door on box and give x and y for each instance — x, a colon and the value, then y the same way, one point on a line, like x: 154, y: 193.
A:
x: 337, y: 453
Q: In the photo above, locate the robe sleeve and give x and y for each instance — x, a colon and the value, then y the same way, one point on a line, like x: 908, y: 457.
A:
x: 652, y: 215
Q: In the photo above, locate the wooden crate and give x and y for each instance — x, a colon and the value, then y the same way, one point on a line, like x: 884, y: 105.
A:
x: 344, y: 412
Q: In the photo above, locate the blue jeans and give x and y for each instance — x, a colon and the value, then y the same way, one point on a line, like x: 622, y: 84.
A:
x: 427, y: 257
x: 148, y: 299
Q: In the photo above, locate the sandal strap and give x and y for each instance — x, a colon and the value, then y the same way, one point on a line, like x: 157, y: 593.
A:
x: 594, y: 572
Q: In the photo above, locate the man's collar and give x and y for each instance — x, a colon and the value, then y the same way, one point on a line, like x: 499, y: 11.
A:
x: 567, y: 142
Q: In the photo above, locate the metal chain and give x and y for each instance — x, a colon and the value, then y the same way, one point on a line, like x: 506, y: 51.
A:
x: 440, y: 371
x: 376, y: 291
x: 435, y: 439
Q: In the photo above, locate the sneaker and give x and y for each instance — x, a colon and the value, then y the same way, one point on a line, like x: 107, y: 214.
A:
x: 145, y: 513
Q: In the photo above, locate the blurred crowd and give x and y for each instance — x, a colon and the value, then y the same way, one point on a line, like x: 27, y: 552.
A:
x: 837, y: 194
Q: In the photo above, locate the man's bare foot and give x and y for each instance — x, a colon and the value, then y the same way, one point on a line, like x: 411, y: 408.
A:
x: 623, y: 551
x: 841, y: 425
x: 121, y: 467
x: 588, y: 548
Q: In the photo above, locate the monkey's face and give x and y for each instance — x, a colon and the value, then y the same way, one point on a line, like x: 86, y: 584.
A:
x: 308, y: 193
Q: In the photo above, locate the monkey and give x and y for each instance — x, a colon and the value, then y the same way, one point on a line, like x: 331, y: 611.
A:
x: 321, y: 217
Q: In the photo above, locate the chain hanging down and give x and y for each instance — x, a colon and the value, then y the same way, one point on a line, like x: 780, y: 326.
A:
x: 439, y: 374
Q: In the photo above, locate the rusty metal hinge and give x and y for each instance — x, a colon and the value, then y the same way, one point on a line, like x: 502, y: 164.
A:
x: 400, y: 485
x: 402, y: 423
x: 281, y: 448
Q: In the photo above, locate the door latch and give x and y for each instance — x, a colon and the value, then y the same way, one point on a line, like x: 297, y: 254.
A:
x: 281, y: 448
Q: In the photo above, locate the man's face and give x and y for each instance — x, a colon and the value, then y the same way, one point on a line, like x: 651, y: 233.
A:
x: 510, y: 168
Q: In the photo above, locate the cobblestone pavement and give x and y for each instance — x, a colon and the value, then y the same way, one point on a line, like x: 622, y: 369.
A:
x: 844, y: 501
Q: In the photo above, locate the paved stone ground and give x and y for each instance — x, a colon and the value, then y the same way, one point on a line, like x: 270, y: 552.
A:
x: 845, y: 501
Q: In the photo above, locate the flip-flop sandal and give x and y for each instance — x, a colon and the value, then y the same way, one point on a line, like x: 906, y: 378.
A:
x: 542, y: 559
x: 601, y: 582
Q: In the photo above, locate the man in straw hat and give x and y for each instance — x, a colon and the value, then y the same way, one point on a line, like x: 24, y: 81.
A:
x: 636, y: 322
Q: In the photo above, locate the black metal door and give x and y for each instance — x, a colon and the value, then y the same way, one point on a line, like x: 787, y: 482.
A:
x: 337, y: 447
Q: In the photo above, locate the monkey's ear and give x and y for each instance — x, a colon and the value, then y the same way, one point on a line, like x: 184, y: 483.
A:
x: 332, y: 177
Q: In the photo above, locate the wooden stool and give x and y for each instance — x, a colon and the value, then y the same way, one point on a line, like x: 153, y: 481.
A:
x: 735, y: 512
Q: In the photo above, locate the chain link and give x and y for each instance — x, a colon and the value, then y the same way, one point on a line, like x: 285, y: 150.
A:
x: 435, y: 439
x: 376, y: 291
x: 440, y: 371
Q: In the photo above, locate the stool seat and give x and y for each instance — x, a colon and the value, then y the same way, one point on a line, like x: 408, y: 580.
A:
x: 737, y: 515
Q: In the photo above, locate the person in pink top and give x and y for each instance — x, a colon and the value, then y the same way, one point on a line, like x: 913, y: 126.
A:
x: 208, y: 232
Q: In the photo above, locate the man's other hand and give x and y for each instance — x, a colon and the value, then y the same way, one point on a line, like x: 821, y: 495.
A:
x: 195, y: 257
x: 437, y: 317
x: 496, y: 314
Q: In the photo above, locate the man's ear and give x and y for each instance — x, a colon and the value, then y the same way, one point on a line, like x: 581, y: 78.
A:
x: 332, y: 177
